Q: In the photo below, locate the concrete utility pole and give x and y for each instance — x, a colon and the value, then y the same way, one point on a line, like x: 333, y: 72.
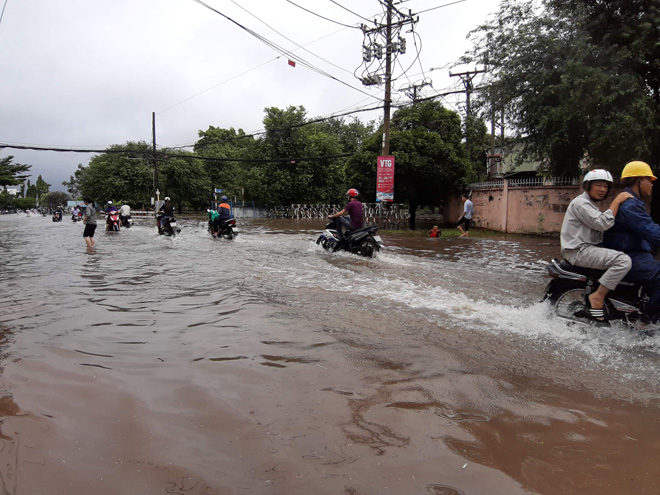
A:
x: 153, y: 144
x: 388, y: 80
x: 467, y: 78
x: 371, y: 49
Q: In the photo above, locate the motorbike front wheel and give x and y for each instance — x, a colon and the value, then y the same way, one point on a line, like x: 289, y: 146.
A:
x: 568, y: 303
x: 367, y: 247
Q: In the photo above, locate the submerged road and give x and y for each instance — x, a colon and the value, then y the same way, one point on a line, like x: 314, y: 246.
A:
x: 265, y: 365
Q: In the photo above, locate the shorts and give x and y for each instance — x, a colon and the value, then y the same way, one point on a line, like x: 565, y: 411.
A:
x: 89, y: 230
x: 466, y: 222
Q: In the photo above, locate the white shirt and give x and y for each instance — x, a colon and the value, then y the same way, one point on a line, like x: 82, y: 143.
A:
x: 125, y: 210
x: 468, y: 209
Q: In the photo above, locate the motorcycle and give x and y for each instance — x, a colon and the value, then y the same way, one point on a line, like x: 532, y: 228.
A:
x: 112, y: 223
x: 225, y: 228
x: 57, y: 216
x: 126, y: 221
x: 75, y: 217
x: 570, y: 285
x: 167, y: 226
x: 363, y: 242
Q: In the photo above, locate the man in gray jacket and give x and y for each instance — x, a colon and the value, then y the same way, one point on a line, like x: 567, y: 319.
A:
x: 582, y: 237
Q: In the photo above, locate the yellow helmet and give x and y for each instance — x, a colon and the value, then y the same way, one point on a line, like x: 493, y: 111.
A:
x: 637, y: 169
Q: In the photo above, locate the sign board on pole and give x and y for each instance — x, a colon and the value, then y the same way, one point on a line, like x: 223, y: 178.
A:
x: 385, y: 178
x: 218, y: 191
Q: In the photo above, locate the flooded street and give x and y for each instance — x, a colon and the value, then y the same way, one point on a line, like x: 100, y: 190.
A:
x: 265, y: 365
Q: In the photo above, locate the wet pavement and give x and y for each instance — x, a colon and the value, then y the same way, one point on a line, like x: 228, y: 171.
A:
x: 265, y: 365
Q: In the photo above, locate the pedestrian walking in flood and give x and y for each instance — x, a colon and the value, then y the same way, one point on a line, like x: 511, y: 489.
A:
x: 89, y: 221
x: 466, y: 218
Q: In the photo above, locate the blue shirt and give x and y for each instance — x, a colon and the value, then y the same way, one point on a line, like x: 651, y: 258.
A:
x: 634, y: 230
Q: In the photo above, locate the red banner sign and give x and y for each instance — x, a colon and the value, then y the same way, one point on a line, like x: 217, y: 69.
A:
x: 385, y: 178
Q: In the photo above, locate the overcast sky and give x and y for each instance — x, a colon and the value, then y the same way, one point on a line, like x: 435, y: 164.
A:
x: 89, y: 74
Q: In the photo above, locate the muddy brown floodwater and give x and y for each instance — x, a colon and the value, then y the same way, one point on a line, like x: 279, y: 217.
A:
x: 268, y: 366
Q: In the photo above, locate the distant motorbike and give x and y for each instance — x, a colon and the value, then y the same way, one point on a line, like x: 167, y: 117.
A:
x: 570, y: 285
x: 112, y: 222
x: 167, y: 226
x: 76, y: 217
x: 363, y: 242
x: 225, y: 229
x: 57, y: 216
x: 126, y: 221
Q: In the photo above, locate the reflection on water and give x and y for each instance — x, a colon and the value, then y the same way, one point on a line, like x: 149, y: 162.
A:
x: 266, y: 365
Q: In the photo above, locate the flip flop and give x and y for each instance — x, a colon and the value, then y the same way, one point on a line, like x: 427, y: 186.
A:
x: 596, y: 314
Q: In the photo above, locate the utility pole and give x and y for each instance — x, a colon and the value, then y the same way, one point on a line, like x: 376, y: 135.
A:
x: 388, y: 81
x: 466, y: 79
x: 371, y: 49
x: 413, y: 90
x: 153, y: 144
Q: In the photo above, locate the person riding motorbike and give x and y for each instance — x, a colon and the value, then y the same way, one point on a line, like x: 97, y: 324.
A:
x: 635, y: 233
x: 124, y: 213
x: 582, y: 237
x: 110, y: 209
x: 168, y: 212
x: 354, y: 210
x: 224, y: 214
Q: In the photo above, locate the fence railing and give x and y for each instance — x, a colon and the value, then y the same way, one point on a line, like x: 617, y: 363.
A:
x: 371, y: 211
x: 527, y: 182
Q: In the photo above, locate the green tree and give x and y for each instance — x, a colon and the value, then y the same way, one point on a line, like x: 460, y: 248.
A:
x: 575, y: 76
x: 41, y: 187
x: 430, y: 159
x: 124, y: 173
x: 54, y: 198
x: 25, y: 203
x: 12, y: 174
x: 184, y: 179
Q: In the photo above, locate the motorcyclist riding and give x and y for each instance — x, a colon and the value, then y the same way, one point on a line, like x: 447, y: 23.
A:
x: 635, y: 233
x: 224, y: 214
x: 168, y: 212
x: 582, y: 237
x: 354, y: 210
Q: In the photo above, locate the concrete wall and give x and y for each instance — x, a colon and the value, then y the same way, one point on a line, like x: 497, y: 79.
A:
x: 523, y: 210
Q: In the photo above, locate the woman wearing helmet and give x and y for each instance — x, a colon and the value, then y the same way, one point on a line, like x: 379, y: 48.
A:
x: 354, y: 210
x: 582, y: 237
x: 635, y: 232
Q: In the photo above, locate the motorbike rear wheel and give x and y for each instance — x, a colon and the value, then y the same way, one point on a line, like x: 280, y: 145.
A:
x: 367, y: 247
x: 228, y: 234
x: 568, y: 303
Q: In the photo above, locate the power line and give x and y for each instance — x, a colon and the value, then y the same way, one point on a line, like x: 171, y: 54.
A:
x: 286, y: 38
x: 2, y: 14
x: 165, y: 154
x: 440, y: 6
x: 283, y: 51
x: 348, y: 10
x: 319, y: 15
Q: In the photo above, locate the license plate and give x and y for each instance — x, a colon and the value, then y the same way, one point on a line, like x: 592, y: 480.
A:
x: 235, y: 230
x: 378, y: 239
x: 172, y: 224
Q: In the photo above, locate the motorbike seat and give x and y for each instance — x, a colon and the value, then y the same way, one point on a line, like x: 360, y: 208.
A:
x: 588, y: 272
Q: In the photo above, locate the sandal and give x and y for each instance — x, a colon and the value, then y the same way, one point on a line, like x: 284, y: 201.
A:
x: 596, y: 314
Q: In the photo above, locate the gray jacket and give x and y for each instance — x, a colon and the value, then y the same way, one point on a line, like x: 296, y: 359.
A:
x: 584, y: 223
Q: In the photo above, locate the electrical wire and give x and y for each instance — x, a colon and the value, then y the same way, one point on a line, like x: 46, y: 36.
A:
x: 2, y: 14
x: 283, y: 51
x: 348, y: 10
x: 319, y: 15
x: 440, y: 6
x: 286, y: 38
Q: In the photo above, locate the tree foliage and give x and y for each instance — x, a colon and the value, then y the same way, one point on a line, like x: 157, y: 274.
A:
x: 54, y: 198
x: 12, y: 174
x: 575, y: 76
x: 430, y: 159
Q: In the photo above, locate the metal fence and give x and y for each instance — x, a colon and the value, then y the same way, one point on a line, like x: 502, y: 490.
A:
x: 372, y: 211
x: 527, y: 182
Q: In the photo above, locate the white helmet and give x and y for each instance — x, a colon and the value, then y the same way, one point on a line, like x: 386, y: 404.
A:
x: 167, y: 198
x: 597, y: 174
